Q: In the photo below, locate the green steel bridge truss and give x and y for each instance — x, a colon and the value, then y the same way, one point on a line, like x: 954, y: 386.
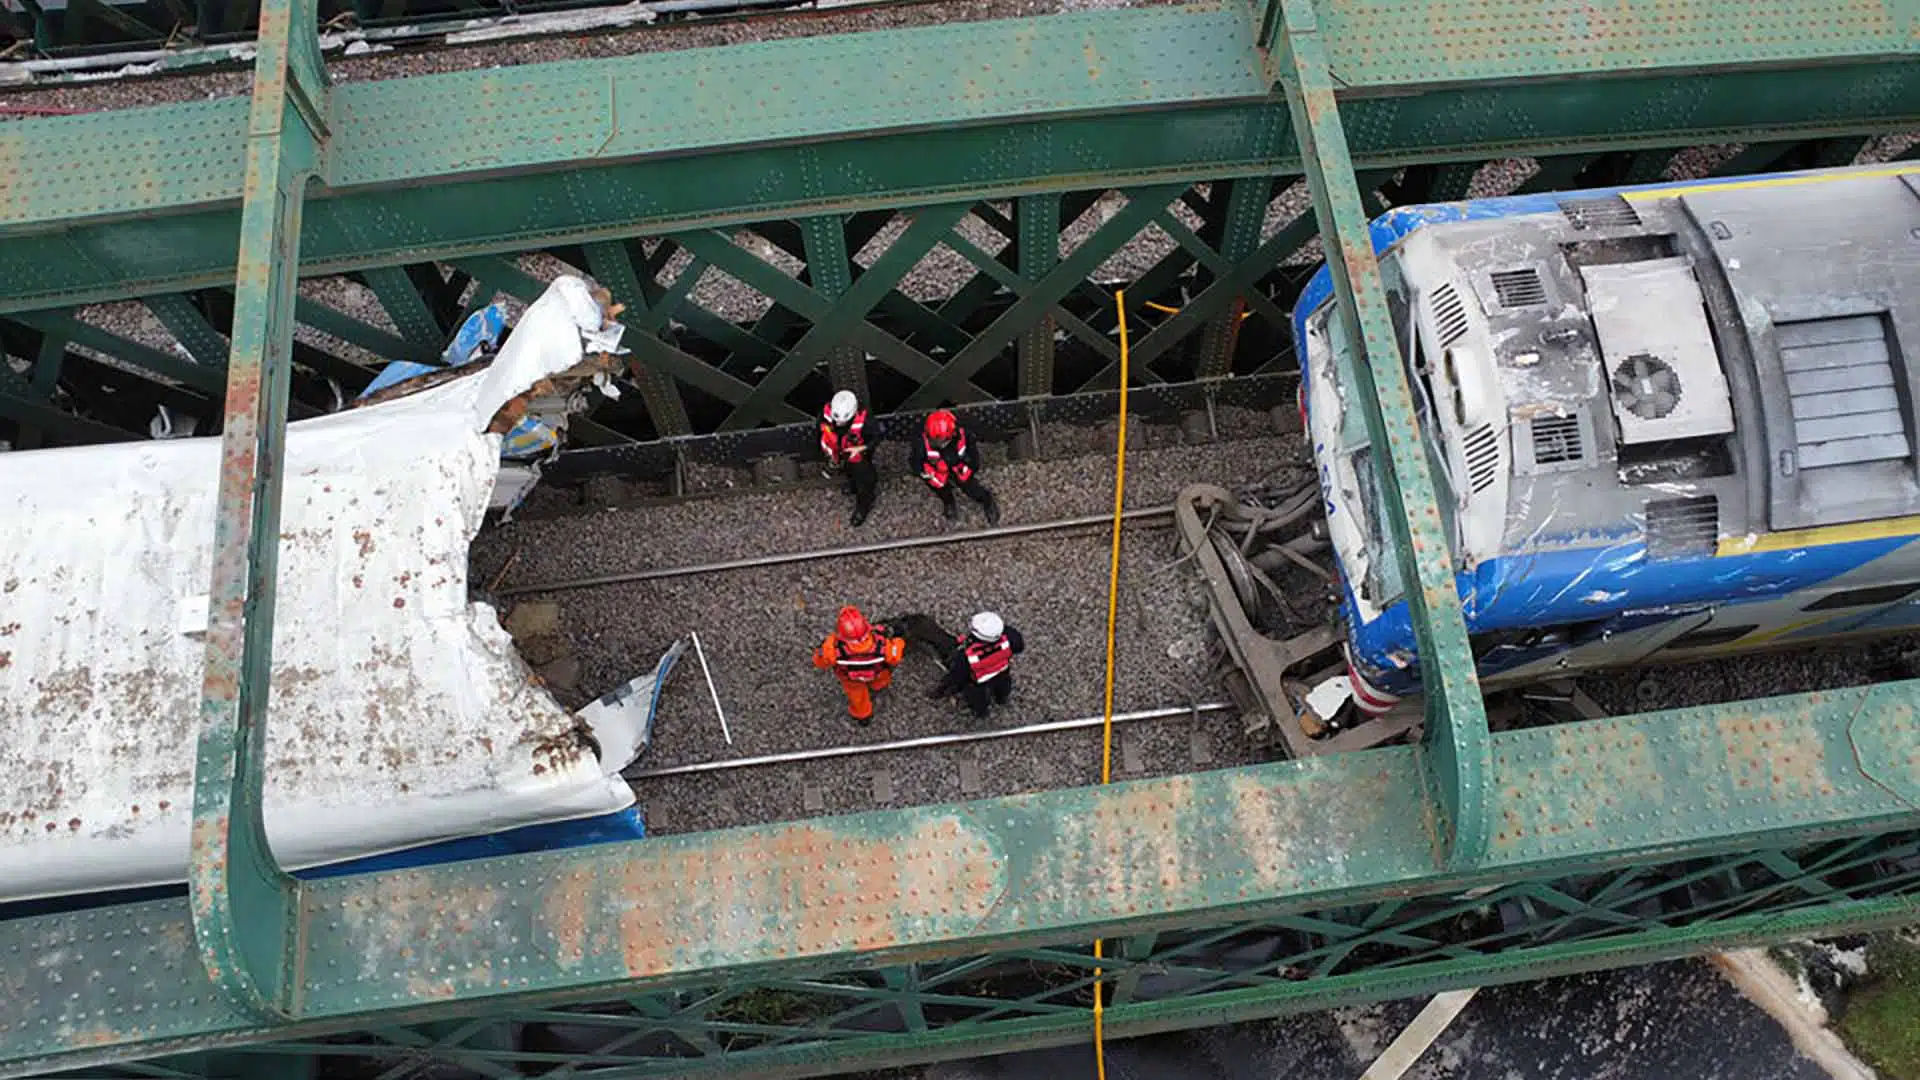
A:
x: 819, y: 945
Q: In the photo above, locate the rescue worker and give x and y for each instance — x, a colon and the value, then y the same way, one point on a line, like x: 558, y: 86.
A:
x: 862, y: 657
x: 843, y: 439
x: 947, y: 461
x: 981, y: 667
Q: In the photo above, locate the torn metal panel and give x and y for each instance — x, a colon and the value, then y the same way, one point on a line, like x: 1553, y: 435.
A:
x: 400, y: 712
x: 622, y: 718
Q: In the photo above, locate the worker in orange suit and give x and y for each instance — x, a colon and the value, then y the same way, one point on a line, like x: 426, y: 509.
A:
x: 862, y: 657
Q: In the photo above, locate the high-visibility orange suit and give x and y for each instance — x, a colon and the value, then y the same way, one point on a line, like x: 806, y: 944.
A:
x: 862, y: 657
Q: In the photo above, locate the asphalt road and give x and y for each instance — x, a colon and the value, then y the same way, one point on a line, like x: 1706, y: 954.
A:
x: 1675, y: 1021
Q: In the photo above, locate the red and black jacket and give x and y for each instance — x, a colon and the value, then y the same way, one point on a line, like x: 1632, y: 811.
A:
x: 976, y: 661
x: 955, y: 461
x: 844, y: 446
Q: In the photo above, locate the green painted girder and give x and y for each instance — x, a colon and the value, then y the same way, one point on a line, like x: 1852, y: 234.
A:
x: 838, y: 1021
x: 1455, y: 737
x: 1037, y: 251
x: 244, y: 906
x: 140, y: 201
x: 927, y: 883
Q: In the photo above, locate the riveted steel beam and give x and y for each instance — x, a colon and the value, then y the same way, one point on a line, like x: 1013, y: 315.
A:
x: 174, y: 369
x: 1179, y: 95
x: 612, y: 266
x: 379, y: 342
x: 1457, y: 753
x: 1143, y: 204
x: 398, y: 290
x: 929, y: 884
x: 830, y: 271
x: 1038, y: 251
x: 836, y: 318
x: 244, y: 907
x: 1242, y: 211
x: 190, y: 327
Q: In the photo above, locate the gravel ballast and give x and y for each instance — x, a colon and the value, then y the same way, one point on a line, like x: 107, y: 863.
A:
x: 760, y: 626
x: 775, y: 521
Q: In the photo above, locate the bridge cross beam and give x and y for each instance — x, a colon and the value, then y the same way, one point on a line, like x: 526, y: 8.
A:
x: 244, y: 906
x: 1457, y: 754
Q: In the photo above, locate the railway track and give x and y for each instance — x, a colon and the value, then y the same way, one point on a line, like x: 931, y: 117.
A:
x: 743, y: 576
x: 950, y: 767
x: 1149, y: 516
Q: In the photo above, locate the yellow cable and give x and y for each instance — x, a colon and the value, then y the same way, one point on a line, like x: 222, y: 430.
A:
x: 1113, y: 611
x: 1175, y: 311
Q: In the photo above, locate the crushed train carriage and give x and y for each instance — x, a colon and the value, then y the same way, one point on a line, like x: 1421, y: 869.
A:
x: 406, y: 727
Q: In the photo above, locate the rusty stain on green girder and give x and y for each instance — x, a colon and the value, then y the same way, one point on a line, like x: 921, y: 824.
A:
x: 1455, y: 737
x: 243, y: 903
x: 1835, y: 755
x: 191, y: 245
x: 897, y: 886
x: 861, y: 885
x: 868, y: 890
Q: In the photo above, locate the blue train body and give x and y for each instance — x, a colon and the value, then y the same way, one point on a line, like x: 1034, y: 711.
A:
x: 1589, y: 585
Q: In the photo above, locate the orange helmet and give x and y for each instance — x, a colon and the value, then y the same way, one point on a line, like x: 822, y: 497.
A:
x: 941, y: 426
x: 852, y: 625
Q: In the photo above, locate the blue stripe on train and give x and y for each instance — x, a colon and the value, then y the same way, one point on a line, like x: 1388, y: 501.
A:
x: 1554, y: 588
x: 603, y: 829
x: 621, y: 825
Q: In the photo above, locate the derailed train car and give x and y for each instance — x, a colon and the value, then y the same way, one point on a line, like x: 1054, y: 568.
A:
x: 403, y: 725
x: 1664, y: 422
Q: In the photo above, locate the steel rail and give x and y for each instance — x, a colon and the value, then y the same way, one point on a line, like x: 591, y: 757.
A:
x: 1154, y: 513
x: 1051, y: 726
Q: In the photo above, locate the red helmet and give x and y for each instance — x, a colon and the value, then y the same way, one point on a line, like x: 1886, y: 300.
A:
x: 941, y: 426
x: 852, y: 625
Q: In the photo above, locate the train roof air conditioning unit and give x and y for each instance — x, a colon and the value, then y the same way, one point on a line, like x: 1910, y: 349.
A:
x: 1661, y: 366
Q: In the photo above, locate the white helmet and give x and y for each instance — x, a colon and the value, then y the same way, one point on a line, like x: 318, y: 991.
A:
x: 987, y: 626
x: 842, y: 407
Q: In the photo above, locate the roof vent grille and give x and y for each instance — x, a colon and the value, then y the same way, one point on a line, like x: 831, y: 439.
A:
x: 1519, y: 288
x: 1449, y: 315
x: 1556, y: 439
x: 1677, y: 528
x: 1843, y: 390
x: 1482, y: 448
x: 1609, y: 211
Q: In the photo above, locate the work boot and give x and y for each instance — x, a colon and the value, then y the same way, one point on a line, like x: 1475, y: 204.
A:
x: 993, y: 510
x: 952, y: 510
x: 859, y: 516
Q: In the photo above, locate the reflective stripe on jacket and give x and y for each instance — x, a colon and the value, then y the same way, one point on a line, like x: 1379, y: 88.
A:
x: 844, y: 447
x: 936, y: 468
x: 986, y: 659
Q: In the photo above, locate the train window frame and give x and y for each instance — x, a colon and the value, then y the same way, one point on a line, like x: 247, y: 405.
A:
x: 1851, y: 598
x: 1709, y: 637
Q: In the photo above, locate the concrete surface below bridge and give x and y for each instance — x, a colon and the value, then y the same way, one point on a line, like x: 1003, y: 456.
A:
x: 1676, y: 1021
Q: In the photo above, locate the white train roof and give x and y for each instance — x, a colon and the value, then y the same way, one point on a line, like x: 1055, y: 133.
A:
x: 400, y: 712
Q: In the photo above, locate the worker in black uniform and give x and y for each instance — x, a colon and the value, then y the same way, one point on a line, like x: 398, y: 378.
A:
x: 947, y: 461
x: 981, y: 666
x: 843, y: 439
